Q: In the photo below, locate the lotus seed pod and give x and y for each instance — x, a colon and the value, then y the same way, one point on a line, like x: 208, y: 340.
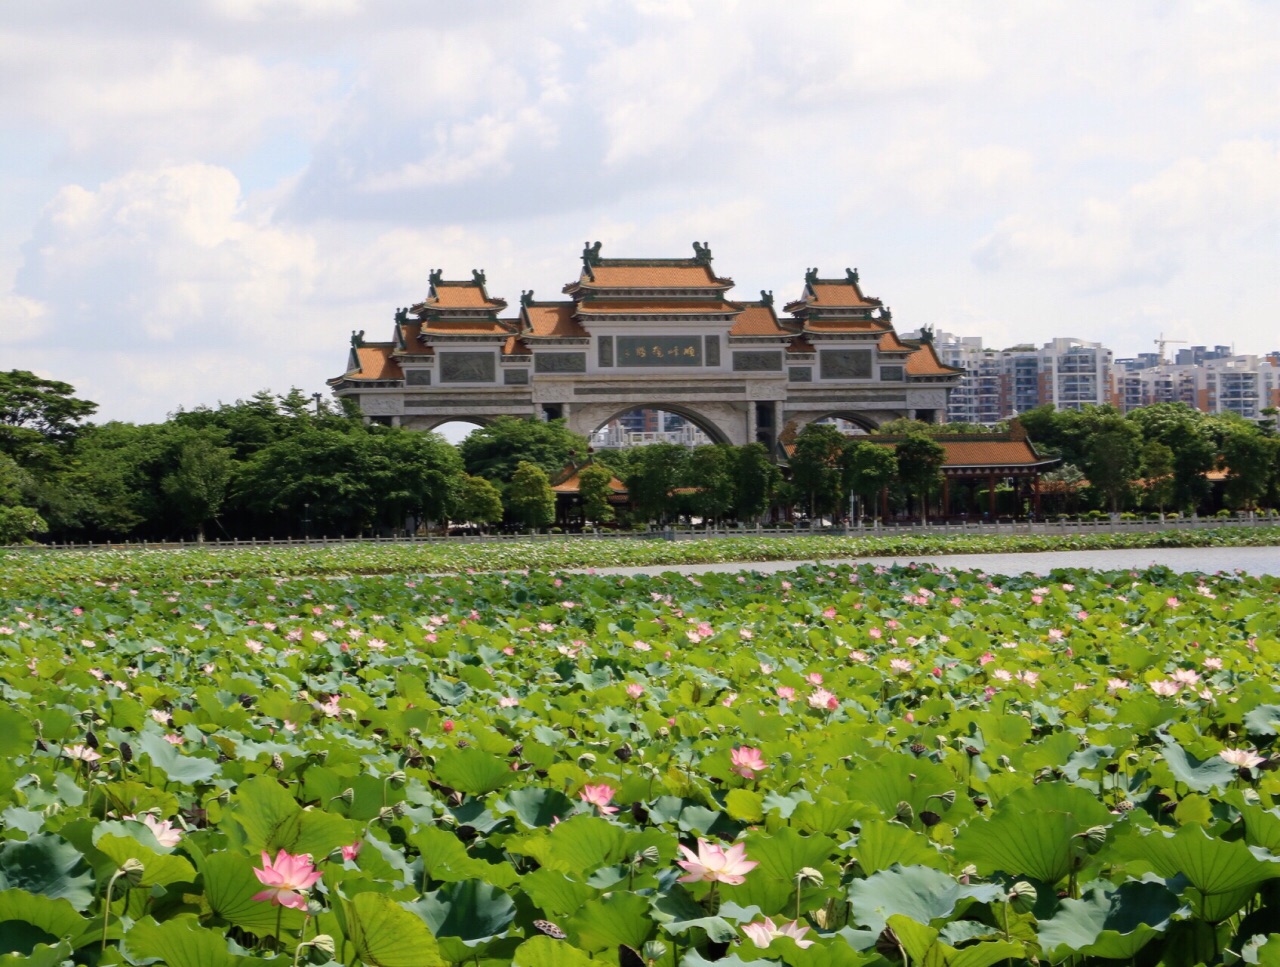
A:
x: 1022, y: 897
x: 586, y: 760
x: 1093, y: 839
x: 347, y: 795
x: 396, y: 778
x: 948, y: 797
x: 323, y: 943
x: 663, y: 733
x: 133, y: 871
x: 783, y: 758
x: 277, y: 762
x: 808, y: 876
x: 905, y: 812
x: 1004, y: 762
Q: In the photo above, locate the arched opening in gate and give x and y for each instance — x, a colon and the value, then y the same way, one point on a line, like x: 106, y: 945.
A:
x: 644, y: 425
x: 454, y: 430
x: 849, y: 423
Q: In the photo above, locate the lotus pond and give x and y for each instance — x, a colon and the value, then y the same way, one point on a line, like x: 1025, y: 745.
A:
x: 830, y: 766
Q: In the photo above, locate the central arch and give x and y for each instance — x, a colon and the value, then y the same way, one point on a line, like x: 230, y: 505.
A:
x: 721, y: 422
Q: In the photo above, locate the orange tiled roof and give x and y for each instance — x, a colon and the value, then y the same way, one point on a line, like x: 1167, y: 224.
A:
x: 924, y: 362
x: 464, y: 327
x: 837, y: 295
x: 647, y: 275
x: 460, y: 295
x: 971, y: 453
x: 845, y: 325
x: 594, y: 307
x: 375, y: 362
x: 569, y: 483
x: 890, y: 343
x: 555, y: 319
x: 409, y: 336
x: 801, y: 345
x: 515, y: 346
x: 758, y: 320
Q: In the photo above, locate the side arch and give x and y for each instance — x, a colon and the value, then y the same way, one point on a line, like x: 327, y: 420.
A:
x: 721, y: 422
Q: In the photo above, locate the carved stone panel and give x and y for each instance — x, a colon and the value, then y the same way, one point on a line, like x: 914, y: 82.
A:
x: 417, y: 377
x: 515, y: 377
x: 844, y: 363
x: 467, y: 368
x: 712, y: 350
x: 380, y: 405
x: 891, y: 374
x: 604, y: 351
x: 757, y: 361
x: 800, y: 374
x: 545, y: 362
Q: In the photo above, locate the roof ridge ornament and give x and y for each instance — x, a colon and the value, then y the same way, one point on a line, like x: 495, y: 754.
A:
x: 702, y: 252
x: 357, y: 339
x: 851, y: 275
x: 402, y: 316
x: 811, y: 275
x: 477, y: 277
x: 766, y: 297
x: 591, y: 254
x: 434, y: 277
x: 526, y: 297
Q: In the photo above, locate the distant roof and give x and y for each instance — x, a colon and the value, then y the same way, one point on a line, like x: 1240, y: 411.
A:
x: 924, y: 362
x: 459, y: 294
x: 758, y: 319
x: 375, y: 362
x: 552, y: 319
x: 651, y: 273
x: 595, y: 307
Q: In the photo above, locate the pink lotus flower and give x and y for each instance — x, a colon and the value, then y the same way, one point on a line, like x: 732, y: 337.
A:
x: 814, y: 678
x: 747, y: 762
x: 1213, y: 664
x: 635, y: 689
x: 352, y: 850
x: 763, y: 933
x: 285, y: 878
x: 716, y: 864
x: 900, y: 666
x: 1243, y: 758
x: 1165, y: 688
x: 821, y: 698
x: 786, y: 691
x: 81, y: 753
x: 508, y: 701
x: 599, y: 796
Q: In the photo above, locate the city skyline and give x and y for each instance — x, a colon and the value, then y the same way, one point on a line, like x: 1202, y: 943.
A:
x: 204, y: 200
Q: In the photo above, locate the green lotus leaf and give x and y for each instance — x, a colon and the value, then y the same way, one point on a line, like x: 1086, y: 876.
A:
x: 1031, y: 832
x: 536, y: 807
x: 445, y: 858
x: 473, y: 771
x: 545, y: 952
x: 159, y: 869
x: 676, y: 911
x: 880, y: 845
x: 617, y: 918
x: 1113, y: 924
x: 919, y: 892
x: 17, y: 734
x: 41, y: 955
x: 272, y: 820
x: 1202, y: 775
x: 384, y: 933
x: 555, y: 894
x: 576, y: 847
x: 188, y: 769
x: 1263, y: 720
x: 28, y: 919
x: 1222, y: 875
x: 47, y: 865
x: 181, y: 941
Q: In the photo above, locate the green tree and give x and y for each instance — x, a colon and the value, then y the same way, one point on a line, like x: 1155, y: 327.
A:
x: 479, y: 502
x: 1157, y: 472
x: 594, y: 487
x: 197, y: 486
x: 1249, y: 457
x: 529, y: 498
x: 711, y: 472
x: 1111, y: 462
x: 1185, y: 432
x: 493, y: 451
x: 758, y: 479
x: 657, y: 470
x: 816, y: 470
x: 33, y: 408
x: 869, y: 468
x: 920, y: 462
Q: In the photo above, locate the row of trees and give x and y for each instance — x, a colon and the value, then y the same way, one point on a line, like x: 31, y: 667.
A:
x: 288, y: 466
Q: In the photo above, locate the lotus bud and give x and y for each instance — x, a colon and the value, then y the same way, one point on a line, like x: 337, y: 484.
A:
x: 808, y: 876
x: 132, y: 870
x: 905, y: 812
x: 653, y: 951
x: 1022, y: 897
x: 783, y: 758
x: 586, y: 760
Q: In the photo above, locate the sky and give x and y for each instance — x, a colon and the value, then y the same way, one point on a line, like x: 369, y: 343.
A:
x: 204, y: 199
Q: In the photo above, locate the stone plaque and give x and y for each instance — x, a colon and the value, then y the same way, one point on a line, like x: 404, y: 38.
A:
x: 467, y: 368
x: 800, y: 374
x: 417, y: 377
x: 380, y: 405
x: 604, y: 350
x: 659, y: 350
x: 757, y: 361
x: 515, y: 377
x: 544, y: 362
x: 891, y: 374
x: 844, y: 363
x: 713, y: 350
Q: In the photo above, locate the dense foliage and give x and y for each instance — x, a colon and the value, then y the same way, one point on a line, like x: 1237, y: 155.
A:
x: 831, y: 766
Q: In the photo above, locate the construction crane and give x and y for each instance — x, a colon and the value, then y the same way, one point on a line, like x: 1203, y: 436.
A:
x: 1162, y: 342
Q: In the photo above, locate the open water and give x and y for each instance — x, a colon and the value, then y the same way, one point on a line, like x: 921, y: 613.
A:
x: 1251, y: 560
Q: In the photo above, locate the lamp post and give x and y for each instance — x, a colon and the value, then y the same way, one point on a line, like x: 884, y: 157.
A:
x: 316, y: 397
x: 306, y: 520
